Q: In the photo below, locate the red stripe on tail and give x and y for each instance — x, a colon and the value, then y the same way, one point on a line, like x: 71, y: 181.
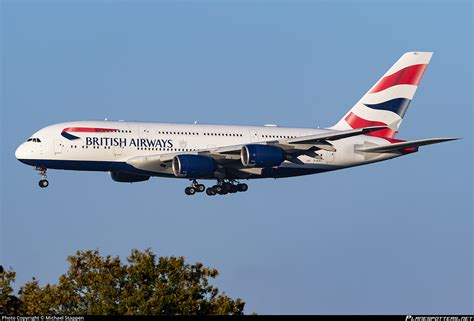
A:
x: 356, y: 122
x: 410, y: 75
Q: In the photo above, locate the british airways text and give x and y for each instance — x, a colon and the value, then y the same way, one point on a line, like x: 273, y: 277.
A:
x: 133, y: 142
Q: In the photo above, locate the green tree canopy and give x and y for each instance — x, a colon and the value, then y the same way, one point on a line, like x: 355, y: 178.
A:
x: 104, y: 285
x: 9, y: 303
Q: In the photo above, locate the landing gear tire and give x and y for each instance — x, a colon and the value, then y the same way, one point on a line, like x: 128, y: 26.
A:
x: 190, y: 190
x: 43, y: 183
x: 210, y: 191
x: 198, y: 188
x: 227, y: 187
x: 242, y: 187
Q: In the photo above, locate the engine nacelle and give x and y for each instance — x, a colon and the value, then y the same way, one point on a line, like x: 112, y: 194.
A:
x: 193, y: 166
x: 128, y: 178
x: 255, y: 155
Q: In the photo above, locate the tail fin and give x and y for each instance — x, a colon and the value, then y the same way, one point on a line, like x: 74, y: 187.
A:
x: 387, y: 101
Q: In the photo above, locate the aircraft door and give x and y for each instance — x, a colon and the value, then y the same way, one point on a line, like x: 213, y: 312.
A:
x: 41, y: 148
x: 58, y: 147
x: 143, y: 132
x: 329, y: 157
x: 253, y: 135
x: 118, y: 150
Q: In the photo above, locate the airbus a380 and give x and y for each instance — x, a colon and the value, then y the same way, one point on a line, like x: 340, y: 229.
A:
x: 135, y: 151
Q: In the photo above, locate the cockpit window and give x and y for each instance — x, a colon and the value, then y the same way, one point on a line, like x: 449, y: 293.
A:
x: 29, y: 139
x: 34, y: 140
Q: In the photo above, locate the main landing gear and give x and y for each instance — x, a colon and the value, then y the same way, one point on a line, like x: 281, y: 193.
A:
x: 222, y: 187
x: 194, y: 188
x: 43, y: 183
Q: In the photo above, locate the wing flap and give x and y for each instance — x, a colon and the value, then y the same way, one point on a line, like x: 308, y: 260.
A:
x: 333, y: 135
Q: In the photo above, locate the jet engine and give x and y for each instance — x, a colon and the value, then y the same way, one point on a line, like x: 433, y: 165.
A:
x: 193, y: 166
x: 128, y: 178
x: 255, y: 155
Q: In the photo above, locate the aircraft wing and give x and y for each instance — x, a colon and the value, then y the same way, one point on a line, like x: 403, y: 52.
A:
x: 402, y: 145
x: 334, y: 135
x: 230, y: 155
x: 298, y: 145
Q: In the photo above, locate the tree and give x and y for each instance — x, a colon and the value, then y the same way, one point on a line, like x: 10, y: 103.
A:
x: 146, y: 285
x: 9, y: 303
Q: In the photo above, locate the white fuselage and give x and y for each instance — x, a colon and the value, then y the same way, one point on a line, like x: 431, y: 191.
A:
x: 107, y: 145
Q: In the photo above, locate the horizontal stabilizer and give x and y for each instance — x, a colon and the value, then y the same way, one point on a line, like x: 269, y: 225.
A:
x: 402, y: 145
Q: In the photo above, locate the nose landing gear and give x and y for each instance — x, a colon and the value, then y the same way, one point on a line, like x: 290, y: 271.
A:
x: 43, y: 183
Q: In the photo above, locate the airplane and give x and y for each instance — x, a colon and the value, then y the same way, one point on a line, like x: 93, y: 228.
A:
x: 136, y: 151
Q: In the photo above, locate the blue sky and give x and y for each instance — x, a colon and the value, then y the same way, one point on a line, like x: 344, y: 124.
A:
x: 392, y: 237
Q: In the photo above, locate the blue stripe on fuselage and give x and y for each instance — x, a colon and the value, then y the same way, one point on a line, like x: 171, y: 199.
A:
x: 80, y: 165
x: 69, y: 136
x: 108, y: 166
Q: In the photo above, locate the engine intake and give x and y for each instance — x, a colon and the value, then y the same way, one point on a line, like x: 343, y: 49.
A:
x: 255, y: 155
x: 128, y: 178
x: 193, y: 166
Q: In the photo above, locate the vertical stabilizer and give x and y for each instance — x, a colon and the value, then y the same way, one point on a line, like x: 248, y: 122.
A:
x: 387, y: 101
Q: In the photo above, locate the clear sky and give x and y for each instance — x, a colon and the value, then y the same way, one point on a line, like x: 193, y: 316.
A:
x: 392, y: 237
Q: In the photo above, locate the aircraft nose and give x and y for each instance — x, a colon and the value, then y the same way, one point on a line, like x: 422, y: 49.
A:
x: 20, y: 152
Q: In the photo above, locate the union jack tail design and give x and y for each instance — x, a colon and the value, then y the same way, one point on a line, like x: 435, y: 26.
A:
x: 387, y: 101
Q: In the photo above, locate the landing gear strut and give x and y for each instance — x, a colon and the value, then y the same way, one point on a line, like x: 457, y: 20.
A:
x: 194, y: 188
x: 43, y: 183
